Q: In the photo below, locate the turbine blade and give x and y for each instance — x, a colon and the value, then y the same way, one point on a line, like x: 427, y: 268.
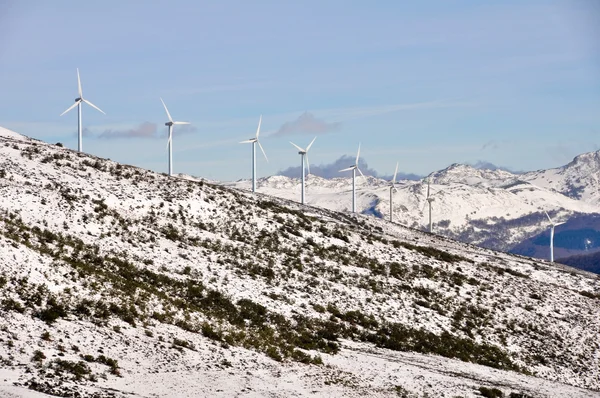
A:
x: 348, y: 169
x: 428, y: 187
x: 549, y: 219
x: 258, y: 128
x: 170, y: 137
x: 307, y: 163
x: 71, y: 107
x: 357, y: 155
x: 181, y: 122
x: 560, y: 223
x: 79, y: 84
x: 92, y: 105
x: 300, y: 149
x: 395, y: 172
x: 168, y: 114
x: 309, y: 145
x: 263, y: 151
x: 248, y: 141
x: 361, y: 173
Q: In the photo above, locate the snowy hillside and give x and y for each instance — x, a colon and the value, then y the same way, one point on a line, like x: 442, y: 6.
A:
x: 116, y: 281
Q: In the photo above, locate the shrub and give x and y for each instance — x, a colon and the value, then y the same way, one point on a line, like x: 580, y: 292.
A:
x: 52, y: 312
x: 38, y: 356
x: 490, y: 392
x: 182, y: 343
x: 77, y: 369
x: 273, y: 353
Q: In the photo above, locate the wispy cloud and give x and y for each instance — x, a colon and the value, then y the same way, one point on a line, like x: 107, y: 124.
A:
x: 341, y: 114
x: 491, y: 144
x: 306, y: 123
x: 144, y: 130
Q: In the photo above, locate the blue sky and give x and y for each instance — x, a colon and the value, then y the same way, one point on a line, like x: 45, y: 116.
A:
x: 426, y: 84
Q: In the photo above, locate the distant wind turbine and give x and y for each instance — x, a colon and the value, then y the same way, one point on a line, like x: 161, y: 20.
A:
x: 170, y: 124
x: 354, y: 167
x: 77, y: 104
x: 255, y: 141
x: 304, y: 163
x: 392, y: 190
x: 552, y: 226
x: 429, y: 200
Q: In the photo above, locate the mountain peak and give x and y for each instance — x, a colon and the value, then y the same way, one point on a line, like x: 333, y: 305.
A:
x: 467, y: 174
x: 588, y: 160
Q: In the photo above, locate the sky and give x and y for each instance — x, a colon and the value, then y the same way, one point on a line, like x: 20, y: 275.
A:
x: 425, y: 84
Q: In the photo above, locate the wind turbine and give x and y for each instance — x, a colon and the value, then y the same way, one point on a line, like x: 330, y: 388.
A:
x: 392, y: 190
x: 429, y: 200
x: 304, y: 160
x: 255, y: 141
x: 552, y: 226
x: 170, y: 124
x: 354, y: 167
x: 77, y: 104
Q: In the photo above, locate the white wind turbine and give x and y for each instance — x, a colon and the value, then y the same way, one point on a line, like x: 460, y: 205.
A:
x: 552, y: 226
x: 354, y: 167
x: 429, y: 200
x: 255, y: 141
x: 304, y: 163
x: 170, y: 124
x: 392, y: 190
x: 77, y: 104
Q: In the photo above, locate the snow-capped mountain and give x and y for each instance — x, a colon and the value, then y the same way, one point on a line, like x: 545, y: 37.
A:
x: 464, y: 174
x: 116, y: 281
x: 491, y: 208
x: 578, y: 179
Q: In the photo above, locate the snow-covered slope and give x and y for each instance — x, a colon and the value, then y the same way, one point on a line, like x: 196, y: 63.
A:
x: 116, y: 281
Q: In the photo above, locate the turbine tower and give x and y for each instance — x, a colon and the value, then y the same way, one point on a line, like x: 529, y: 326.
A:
x: 77, y: 104
x: 255, y: 141
x: 552, y: 226
x: 354, y: 167
x: 170, y: 124
x: 429, y: 200
x: 304, y: 161
x: 392, y: 190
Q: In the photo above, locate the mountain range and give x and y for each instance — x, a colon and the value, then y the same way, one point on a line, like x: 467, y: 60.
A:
x: 116, y: 281
x: 495, y: 209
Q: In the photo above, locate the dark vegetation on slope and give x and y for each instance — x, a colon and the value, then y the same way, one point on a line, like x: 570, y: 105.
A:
x: 251, y: 324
